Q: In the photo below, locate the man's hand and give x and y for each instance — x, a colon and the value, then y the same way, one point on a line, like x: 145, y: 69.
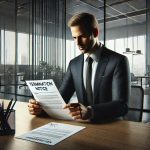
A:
x: 79, y: 111
x: 34, y: 107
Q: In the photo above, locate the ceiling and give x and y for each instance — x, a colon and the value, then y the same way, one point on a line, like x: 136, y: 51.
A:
x: 118, y: 12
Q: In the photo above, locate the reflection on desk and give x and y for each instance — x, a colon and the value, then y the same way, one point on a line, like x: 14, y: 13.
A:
x: 105, y: 136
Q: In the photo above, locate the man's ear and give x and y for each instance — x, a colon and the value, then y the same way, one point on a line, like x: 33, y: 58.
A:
x: 95, y: 32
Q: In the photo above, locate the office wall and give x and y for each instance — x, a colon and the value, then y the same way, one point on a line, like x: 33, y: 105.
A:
x: 121, y: 32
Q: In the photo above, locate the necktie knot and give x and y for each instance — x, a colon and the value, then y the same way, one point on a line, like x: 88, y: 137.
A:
x: 90, y: 60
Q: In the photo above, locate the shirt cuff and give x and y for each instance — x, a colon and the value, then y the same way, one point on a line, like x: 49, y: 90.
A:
x: 91, y: 112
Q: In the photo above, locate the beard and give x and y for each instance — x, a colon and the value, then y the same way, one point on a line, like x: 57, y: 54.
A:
x: 87, y: 48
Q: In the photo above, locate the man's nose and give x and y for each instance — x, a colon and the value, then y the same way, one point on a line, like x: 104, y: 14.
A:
x: 79, y: 42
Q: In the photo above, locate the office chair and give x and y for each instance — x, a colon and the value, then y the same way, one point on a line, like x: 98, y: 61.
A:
x: 135, y: 104
x: 148, y: 74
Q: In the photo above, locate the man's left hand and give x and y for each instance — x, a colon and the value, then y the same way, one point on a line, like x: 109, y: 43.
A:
x: 79, y: 111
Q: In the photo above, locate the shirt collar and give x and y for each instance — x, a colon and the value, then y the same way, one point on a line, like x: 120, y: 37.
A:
x: 95, y: 55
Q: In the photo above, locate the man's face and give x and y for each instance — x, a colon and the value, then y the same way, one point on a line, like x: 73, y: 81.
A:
x: 84, y: 41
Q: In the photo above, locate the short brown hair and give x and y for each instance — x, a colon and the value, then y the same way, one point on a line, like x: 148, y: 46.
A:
x: 89, y: 21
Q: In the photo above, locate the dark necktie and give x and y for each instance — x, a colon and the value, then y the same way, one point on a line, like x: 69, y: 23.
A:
x: 88, y: 81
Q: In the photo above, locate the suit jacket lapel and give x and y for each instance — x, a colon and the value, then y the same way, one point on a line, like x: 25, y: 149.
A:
x: 79, y: 81
x: 100, y: 72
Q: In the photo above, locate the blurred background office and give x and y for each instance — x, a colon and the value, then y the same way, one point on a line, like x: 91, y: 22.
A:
x: 35, y: 42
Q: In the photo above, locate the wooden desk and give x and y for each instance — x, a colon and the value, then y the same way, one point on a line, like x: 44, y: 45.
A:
x: 117, y: 135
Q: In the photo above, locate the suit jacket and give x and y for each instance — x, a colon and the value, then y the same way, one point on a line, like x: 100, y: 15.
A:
x: 111, y: 85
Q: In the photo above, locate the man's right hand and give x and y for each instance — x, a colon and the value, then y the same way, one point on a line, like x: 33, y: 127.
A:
x: 34, y: 107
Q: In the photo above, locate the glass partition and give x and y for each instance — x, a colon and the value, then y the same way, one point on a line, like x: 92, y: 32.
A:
x: 126, y: 29
x: 32, y: 44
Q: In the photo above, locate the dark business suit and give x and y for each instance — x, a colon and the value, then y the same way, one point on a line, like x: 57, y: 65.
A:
x: 111, y: 85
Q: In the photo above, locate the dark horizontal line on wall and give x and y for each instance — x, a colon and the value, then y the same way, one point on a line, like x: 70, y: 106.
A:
x: 17, y: 94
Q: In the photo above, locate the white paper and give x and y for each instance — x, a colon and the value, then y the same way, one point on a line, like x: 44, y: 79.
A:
x: 47, y: 94
x: 51, y: 133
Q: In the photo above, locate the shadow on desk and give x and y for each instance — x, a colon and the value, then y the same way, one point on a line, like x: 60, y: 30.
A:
x: 46, y: 118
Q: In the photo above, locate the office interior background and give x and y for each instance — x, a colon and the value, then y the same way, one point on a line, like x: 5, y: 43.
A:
x: 35, y: 42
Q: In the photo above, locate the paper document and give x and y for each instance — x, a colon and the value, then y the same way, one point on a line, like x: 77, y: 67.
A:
x: 47, y: 94
x: 51, y: 133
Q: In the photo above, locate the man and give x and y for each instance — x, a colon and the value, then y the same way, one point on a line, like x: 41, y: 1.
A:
x: 100, y: 77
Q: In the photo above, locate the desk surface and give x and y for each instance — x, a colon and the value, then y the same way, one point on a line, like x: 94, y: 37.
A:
x: 107, y: 136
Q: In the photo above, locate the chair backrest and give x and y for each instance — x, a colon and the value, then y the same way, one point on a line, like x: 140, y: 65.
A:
x: 148, y: 69
x: 135, y: 104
